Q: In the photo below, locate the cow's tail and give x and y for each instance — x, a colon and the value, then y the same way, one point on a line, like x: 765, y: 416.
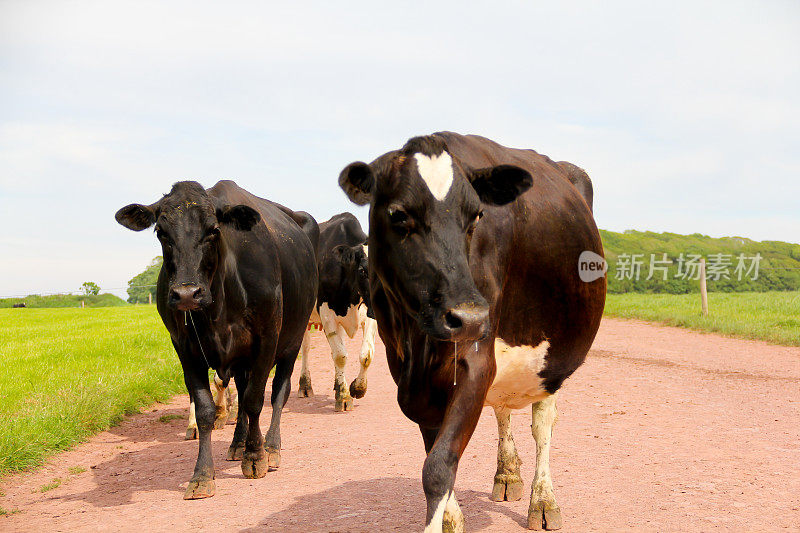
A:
x: 580, y: 179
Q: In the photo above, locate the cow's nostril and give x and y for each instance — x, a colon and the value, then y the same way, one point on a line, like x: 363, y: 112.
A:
x: 452, y: 321
x: 198, y: 293
x: 174, y: 296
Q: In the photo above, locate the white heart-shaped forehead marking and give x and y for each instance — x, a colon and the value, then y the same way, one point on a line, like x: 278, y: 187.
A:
x: 436, y: 172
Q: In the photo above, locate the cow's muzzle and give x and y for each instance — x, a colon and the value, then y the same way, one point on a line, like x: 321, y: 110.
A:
x: 467, y: 322
x: 186, y: 297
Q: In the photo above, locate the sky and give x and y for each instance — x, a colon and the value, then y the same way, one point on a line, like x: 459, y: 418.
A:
x: 686, y: 115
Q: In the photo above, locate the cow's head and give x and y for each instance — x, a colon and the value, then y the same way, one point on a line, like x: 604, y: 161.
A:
x: 355, y: 264
x: 424, y: 207
x: 187, y: 223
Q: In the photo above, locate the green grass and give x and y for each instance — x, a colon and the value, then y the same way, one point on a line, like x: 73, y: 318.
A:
x: 69, y: 373
x: 65, y: 300
x: 75, y: 470
x: 50, y: 486
x: 768, y: 316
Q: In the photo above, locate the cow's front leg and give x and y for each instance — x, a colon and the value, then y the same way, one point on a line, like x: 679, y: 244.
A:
x: 304, y: 389
x: 543, y: 510
x: 281, y: 387
x: 439, y: 469
x: 358, y: 388
x: 334, y: 334
x: 236, y: 449
x: 202, y: 483
x: 254, y: 459
x: 508, y: 483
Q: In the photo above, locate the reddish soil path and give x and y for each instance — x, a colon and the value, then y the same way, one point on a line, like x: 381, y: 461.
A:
x: 661, y: 430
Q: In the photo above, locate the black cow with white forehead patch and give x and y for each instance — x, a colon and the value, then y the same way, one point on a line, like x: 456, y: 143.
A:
x: 473, y: 264
x: 235, y: 292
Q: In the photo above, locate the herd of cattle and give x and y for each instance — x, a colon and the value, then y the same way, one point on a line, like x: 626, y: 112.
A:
x: 469, y: 274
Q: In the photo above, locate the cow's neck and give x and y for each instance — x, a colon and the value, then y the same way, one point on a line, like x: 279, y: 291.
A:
x: 421, y: 357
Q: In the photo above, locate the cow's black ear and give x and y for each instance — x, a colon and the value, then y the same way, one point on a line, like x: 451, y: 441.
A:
x: 357, y: 181
x: 344, y: 253
x: 500, y: 185
x: 136, y: 217
x: 241, y: 217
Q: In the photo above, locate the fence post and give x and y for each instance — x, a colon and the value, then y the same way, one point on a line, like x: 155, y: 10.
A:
x: 149, y: 298
x: 703, y: 288
x: 83, y: 304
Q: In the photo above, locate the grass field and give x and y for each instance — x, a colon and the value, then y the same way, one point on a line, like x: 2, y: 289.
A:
x: 69, y: 373
x: 768, y: 316
x: 65, y: 300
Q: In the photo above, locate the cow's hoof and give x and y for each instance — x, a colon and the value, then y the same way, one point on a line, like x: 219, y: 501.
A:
x: 199, y: 489
x: 191, y: 434
x: 344, y: 403
x: 273, y: 459
x: 235, y: 453
x: 220, y: 420
x: 541, y: 518
x: 453, y: 523
x: 508, y: 488
x: 254, y: 465
x: 358, y: 388
x: 304, y: 389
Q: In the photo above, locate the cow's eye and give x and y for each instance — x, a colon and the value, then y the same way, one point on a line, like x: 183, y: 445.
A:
x: 400, y: 220
x: 474, y: 223
x: 212, y: 234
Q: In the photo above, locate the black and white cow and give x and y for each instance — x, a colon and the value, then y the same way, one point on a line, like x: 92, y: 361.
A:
x: 342, y: 305
x: 474, y: 279
x: 235, y: 292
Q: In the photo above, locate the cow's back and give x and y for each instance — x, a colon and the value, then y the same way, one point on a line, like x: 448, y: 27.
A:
x: 277, y: 259
x: 534, y: 288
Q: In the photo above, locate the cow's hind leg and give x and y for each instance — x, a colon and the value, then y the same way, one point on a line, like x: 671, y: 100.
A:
x: 281, y: 387
x: 543, y: 510
x: 236, y: 449
x: 304, y: 389
x: 358, y: 388
x: 191, y: 429
x: 220, y: 394
x: 335, y: 334
x: 508, y: 483
x: 254, y: 459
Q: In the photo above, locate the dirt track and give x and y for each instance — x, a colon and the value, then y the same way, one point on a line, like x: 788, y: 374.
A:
x: 661, y: 430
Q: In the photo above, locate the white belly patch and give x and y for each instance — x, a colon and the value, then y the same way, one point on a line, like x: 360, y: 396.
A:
x: 517, y: 383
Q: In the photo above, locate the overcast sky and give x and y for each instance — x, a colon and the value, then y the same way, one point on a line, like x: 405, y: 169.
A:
x: 686, y: 116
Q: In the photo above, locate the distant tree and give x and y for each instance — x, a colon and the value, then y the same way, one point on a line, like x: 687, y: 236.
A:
x: 90, y: 288
x: 145, y: 282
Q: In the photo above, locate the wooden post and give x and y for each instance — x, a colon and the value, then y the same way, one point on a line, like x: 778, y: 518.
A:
x: 83, y: 304
x: 703, y: 288
x: 150, y: 298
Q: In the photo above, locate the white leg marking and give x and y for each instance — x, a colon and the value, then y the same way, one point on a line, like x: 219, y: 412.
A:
x: 330, y: 325
x: 192, y: 417
x: 543, y: 500
x: 435, y: 525
x: 437, y: 173
x: 369, y: 327
x: 220, y: 398
x: 453, y: 517
x: 305, y: 347
x: 507, y: 481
